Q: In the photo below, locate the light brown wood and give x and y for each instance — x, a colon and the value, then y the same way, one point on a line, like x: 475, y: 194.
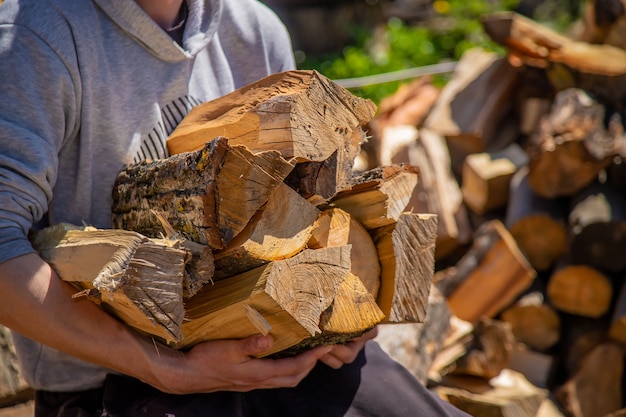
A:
x: 595, y: 390
x: 279, y: 230
x: 617, y: 329
x: 479, y: 77
x: 510, y: 395
x: 499, y: 277
x: 486, y: 177
x: 580, y: 290
x: 378, y: 197
x: 336, y: 227
x: 537, y: 326
x: 292, y: 295
x: 406, y: 251
x: 571, y: 146
x: 301, y: 114
x: 194, y: 192
x: 137, y: 279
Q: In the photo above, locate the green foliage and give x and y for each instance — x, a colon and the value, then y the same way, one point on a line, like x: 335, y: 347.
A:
x: 396, y: 45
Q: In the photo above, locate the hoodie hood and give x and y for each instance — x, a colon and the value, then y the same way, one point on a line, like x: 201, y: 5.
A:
x: 201, y: 25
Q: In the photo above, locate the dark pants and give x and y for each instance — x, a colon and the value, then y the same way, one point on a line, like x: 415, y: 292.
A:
x: 374, y: 385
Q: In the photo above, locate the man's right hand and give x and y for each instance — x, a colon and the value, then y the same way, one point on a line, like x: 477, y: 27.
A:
x: 229, y: 365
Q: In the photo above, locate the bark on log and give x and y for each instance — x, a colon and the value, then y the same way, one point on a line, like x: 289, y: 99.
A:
x: 406, y: 251
x: 500, y: 275
x: 279, y: 230
x: 301, y: 114
x: 193, y: 192
x: 337, y: 228
x: 137, y: 279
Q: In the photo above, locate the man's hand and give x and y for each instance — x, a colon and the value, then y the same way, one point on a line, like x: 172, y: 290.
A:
x: 229, y: 365
x: 343, y: 354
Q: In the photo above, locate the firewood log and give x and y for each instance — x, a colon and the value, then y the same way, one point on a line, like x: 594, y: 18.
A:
x: 537, y: 367
x: 499, y: 275
x: 279, y: 230
x: 13, y: 388
x: 537, y: 224
x: 336, y: 227
x: 479, y: 77
x: 137, y: 279
x: 597, y: 225
x: 509, y: 395
x: 486, y: 177
x: 301, y: 114
x: 406, y: 251
x: 536, y: 325
x: 596, y: 389
x: 580, y: 290
x: 287, y: 298
x: 617, y: 329
x: 194, y: 192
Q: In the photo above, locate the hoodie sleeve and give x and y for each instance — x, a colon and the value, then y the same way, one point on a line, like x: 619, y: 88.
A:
x: 37, y: 109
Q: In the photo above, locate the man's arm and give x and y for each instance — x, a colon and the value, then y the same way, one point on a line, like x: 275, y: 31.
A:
x: 37, y: 304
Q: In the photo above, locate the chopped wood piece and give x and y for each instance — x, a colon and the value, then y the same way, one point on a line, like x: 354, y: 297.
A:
x: 490, y: 351
x: 291, y: 295
x: 487, y: 177
x: 571, y: 146
x: 139, y: 280
x: 537, y: 224
x: 416, y: 345
x: 500, y: 274
x: 537, y: 367
x: 511, y: 395
x: 456, y: 344
x: 13, y: 387
x: 537, y: 326
x: 337, y: 228
x: 193, y: 192
x: 617, y: 330
x: 301, y: 114
x: 596, y: 389
x: 406, y: 251
x: 378, y: 197
x: 580, y: 290
x: 479, y: 77
x: 279, y: 230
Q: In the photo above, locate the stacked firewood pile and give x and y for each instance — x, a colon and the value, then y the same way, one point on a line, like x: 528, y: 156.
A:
x: 522, y: 158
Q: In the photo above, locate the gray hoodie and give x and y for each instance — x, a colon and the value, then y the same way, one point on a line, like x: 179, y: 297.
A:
x: 87, y: 87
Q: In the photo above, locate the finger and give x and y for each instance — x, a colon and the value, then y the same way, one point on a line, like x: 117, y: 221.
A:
x: 331, y: 361
x: 256, y: 345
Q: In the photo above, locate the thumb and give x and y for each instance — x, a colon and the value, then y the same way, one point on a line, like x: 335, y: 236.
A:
x: 255, y: 345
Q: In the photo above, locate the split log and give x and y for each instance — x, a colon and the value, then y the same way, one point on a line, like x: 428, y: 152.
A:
x: 13, y: 388
x: 378, y: 197
x: 137, y: 279
x: 336, y: 227
x: 486, y: 177
x: 406, y: 251
x: 537, y: 224
x: 537, y: 326
x: 490, y: 351
x: 417, y: 345
x: 189, y: 191
x: 580, y: 290
x: 537, y: 367
x: 301, y: 114
x: 510, y: 395
x: 286, y: 298
x: 617, y: 330
x: 595, y: 390
x: 279, y: 230
x: 479, y: 77
x: 571, y: 146
x: 500, y: 274
x: 597, y: 224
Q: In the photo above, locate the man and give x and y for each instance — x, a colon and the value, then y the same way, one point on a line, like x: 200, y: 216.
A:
x: 87, y: 87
